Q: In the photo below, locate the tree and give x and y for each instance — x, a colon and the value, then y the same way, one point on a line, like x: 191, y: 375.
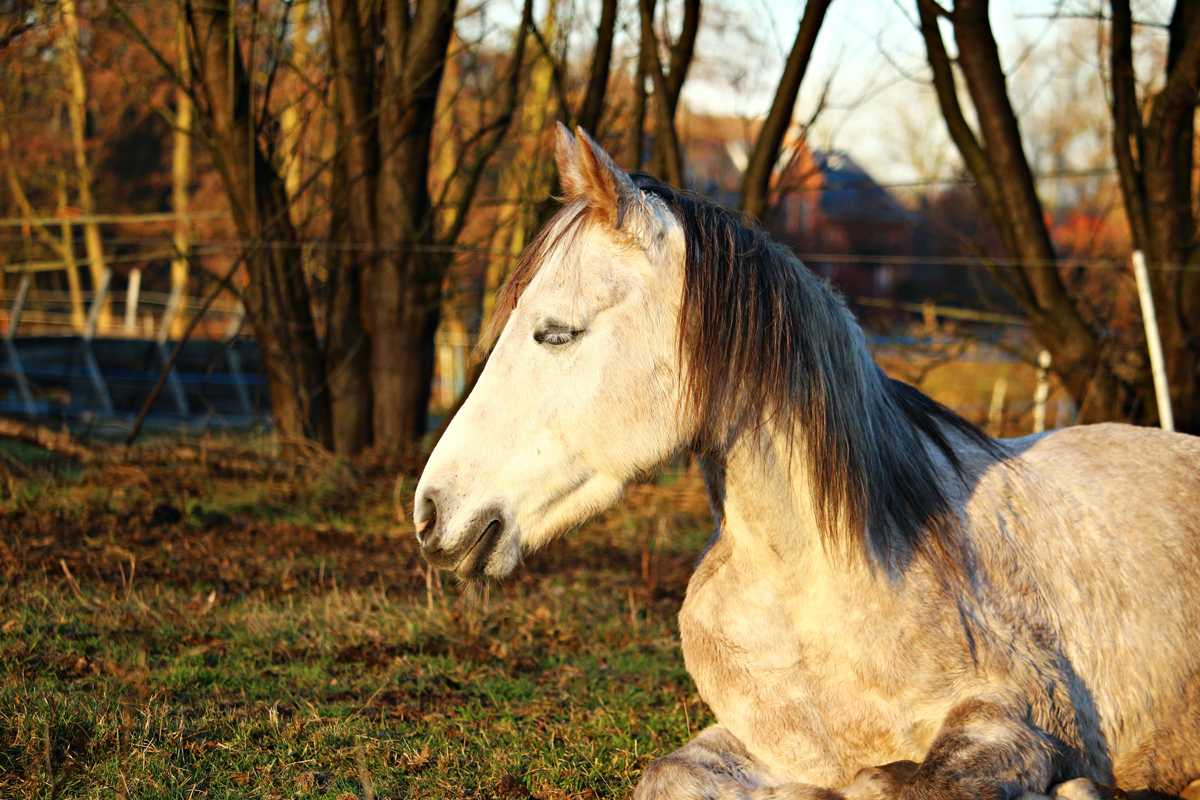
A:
x: 1154, y: 155
x: 226, y: 121
x: 667, y: 80
x: 1091, y: 367
x: 77, y: 113
x: 756, y: 183
x: 386, y: 116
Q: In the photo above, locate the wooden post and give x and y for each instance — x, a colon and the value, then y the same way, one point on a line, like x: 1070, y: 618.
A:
x: 1041, y: 392
x: 99, y: 299
x: 131, y: 300
x: 18, y: 306
x: 445, y: 372
x: 1165, y: 416
x: 929, y: 316
x: 181, y: 175
x: 10, y: 345
x: 996, y: 411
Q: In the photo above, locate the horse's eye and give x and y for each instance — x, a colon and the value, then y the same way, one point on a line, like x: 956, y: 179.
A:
x: 555, y: 335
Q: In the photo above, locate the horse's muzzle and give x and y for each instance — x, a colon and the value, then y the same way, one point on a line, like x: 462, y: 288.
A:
x: 469, y: 556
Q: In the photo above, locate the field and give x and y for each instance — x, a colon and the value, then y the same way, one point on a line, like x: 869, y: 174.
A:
x: 201, y: 625
x: 184, y: 630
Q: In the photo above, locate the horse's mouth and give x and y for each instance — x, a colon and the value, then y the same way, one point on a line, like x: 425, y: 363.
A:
x: 474, y: 561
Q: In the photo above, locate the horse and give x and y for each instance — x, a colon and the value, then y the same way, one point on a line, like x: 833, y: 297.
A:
x: 885, y: 582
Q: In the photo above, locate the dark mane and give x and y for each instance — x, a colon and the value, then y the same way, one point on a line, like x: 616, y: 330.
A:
x: 763, y: 337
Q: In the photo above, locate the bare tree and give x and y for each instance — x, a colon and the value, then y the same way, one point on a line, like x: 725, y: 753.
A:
x: 77, y: 114
x: 181, y: 177
x: 387, y: 115
x: 277, y: 298
x: 756, y: 183
x: 667, y: 80
x: 1154, y: 155
x: 591, y: 110
x: 1091, y: 368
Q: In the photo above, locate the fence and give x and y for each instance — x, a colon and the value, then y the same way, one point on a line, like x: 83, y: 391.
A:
x: 94, y: 355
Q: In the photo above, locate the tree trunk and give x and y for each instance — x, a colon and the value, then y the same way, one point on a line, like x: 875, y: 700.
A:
x: 668, y: 156
x: 1154, y: 159
x: 277, y: 300
x: 1001, y: 170
x: 348, y: 347
x: 756, y: 184
x: 592, y: 108
x: 404, y: 284
x: 289, y: 119
x: 77, y: 114
x: 181, y: 178
x: 74, y: 284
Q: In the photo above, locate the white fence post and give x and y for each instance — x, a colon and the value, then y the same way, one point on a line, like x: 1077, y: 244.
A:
x: 1153, y: 343
x: 1041, y: 392
x: 131, y: 300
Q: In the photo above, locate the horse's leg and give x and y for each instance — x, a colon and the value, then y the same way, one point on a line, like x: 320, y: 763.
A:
x: 716, y: 766
x: 986, y: 751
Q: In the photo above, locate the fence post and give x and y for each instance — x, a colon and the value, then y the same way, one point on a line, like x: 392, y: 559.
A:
x: 1041, y: 392
x: 10, y: 333
x: 1165, y: 416
x: 18, y: 306
x: 996, y: 411
x: 98, y: 299
x: 131, y: 300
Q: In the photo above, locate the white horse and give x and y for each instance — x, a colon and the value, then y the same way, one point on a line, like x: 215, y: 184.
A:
x: 885, y: 582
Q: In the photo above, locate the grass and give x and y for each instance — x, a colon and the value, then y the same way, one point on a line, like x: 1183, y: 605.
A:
x: 180, y: 631
x: 175, y: 632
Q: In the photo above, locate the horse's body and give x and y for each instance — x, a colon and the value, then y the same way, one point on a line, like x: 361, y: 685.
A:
x: 1079, y: 608
x: 885, y: 582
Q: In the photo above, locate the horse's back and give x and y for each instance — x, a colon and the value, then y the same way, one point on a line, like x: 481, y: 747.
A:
x: 1107, y: 518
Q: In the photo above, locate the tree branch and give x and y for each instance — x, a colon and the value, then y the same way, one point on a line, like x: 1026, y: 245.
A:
x: 1129, y: 145
x: 592, y: 108
x: 497, y: 129
x: 757, y: 181
x: 956, y: 123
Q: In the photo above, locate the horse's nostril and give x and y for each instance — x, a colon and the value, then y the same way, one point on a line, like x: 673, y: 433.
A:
x: 425, y: 516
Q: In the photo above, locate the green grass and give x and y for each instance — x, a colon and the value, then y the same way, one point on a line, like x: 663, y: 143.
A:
x: 294, y: 648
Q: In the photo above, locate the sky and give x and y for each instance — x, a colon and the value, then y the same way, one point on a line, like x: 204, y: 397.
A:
x: 872, y: 56
x: 879, y: 107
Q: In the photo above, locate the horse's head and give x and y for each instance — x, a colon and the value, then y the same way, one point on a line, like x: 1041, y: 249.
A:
x: 581, y: 391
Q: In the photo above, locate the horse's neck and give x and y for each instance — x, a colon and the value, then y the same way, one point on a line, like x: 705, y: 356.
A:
x: 768, y: 514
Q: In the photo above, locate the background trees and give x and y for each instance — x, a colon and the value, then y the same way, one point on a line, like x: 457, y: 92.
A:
x: 1153, y: 140
x: 386, y: 160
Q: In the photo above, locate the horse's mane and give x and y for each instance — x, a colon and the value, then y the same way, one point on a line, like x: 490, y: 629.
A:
x: 763, y: 339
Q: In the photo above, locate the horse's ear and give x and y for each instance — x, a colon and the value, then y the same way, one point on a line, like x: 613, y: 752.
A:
x: 566, y: 155
x: 587, y: 172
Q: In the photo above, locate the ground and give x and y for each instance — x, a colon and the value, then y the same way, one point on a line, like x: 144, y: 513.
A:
x: 190, y: 624
x: 175, y: 629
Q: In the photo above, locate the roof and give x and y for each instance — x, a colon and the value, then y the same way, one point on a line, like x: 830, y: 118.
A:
x: 849, y: 194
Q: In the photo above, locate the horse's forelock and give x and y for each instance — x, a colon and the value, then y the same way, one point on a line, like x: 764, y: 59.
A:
x: 563, y: 227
